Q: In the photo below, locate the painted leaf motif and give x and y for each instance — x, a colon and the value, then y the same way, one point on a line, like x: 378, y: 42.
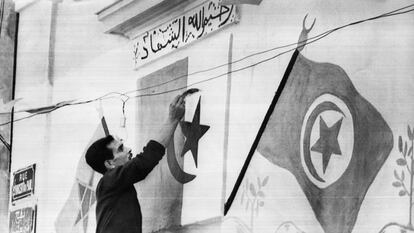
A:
x: 401, y: 162
x: 260, y: 194
x: 400, y: 144
x: 261, y: 203
x: 402, y: 193
x: 410, y: 151
x: 259, y: 184
x: 396, y: 184
x: 252, y: 190
x: 405, y: 149
x: 265, y: 180
x: 409, y: 132
x: 402, y: 176
x: 396, y: 175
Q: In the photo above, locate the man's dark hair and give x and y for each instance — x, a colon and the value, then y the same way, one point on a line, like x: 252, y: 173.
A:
x: 98, y: 153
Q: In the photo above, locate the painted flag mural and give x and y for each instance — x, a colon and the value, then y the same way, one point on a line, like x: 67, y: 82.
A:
x: 78, y: 213
x: 333, y: 142
x: 161, y: 193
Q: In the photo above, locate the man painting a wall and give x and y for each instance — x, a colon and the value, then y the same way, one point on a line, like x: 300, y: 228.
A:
x: 117, y: 208
x: 334, y: 157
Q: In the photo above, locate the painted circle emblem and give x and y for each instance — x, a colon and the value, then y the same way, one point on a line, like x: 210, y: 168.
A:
x: 327, y: 140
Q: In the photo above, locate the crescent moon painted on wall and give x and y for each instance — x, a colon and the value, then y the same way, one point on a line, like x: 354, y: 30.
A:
x: 324, y: 106
x: 178, y: 173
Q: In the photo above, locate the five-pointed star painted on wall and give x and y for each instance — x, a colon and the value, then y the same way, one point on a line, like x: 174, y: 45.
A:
x: 193, y: 131
x: 327, y: 143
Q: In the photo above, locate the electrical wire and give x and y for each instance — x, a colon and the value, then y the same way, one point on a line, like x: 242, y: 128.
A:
x: 399, y: 11
x: 275, y: 48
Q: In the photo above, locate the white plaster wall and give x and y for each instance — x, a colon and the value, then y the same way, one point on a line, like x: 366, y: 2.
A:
x: 32, y: 86
x: 376, y: 56
x: 89, y: 63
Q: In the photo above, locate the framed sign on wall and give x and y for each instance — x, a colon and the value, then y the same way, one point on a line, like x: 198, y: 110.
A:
x: 23, y: 183
x: 23, y: 220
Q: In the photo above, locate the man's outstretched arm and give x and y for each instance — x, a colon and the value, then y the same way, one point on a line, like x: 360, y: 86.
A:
x: 176, y: 112
x: 140, y: 166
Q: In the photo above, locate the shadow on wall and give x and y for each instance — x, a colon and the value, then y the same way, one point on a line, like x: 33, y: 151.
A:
x: 7, y: 50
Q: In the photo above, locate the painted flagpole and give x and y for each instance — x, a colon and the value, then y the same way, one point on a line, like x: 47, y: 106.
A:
x: 261, y: 130
x: 226, y: 122
x: 300, y: 45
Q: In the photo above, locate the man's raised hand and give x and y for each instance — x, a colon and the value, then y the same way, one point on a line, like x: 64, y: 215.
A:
x: 177, y: 108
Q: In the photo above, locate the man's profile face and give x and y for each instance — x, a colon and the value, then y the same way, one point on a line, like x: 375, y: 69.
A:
x: 122, y: 154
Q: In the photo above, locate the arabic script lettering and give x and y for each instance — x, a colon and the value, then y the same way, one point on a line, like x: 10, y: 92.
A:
x: 182, y: 30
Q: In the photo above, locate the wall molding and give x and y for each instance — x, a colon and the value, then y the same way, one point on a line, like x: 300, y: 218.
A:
x: 126, y: 17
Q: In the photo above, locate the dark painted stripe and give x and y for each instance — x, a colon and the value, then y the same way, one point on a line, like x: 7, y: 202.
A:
x: 261, y: 130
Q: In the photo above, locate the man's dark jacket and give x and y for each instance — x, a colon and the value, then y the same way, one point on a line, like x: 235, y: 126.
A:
x: 117, y: 209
